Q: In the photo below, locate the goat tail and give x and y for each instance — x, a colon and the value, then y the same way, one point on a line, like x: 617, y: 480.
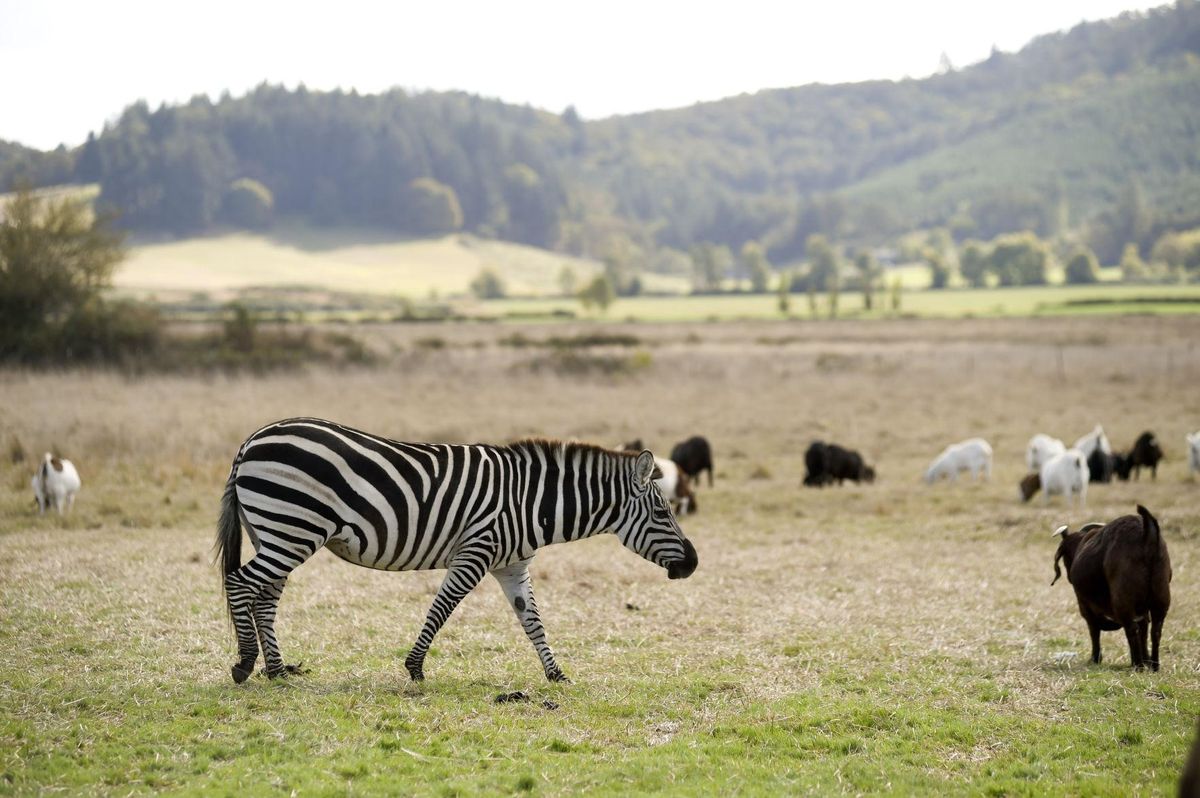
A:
x: 1150, y: 529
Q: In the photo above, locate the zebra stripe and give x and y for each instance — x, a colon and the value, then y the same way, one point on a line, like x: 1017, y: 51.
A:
x: 302, y: 484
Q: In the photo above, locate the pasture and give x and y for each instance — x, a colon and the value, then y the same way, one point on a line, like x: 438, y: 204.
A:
x: 346, y: 260
x: 892, y: 637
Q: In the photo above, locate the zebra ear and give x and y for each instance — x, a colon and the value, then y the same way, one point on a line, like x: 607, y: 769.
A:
x: 643, y: 470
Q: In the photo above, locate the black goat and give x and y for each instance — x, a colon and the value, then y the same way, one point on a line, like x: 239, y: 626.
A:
x: 693, y: 456
x: 1122, y: 578
x: 828, y: 462
x: 1102, y: 465
x: 1145, y: 452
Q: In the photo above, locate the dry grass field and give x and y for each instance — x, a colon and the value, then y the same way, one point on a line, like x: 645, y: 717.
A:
x: 349, y: 260
x: 892, y: 637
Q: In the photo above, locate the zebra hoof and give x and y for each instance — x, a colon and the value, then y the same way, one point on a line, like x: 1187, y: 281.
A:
x: 286, y: 670
x: 417, y: 674
x: 241, y: 674
x: 557, y: 676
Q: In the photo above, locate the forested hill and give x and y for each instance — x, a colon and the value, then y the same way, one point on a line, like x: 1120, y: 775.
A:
x: 1095, y: 131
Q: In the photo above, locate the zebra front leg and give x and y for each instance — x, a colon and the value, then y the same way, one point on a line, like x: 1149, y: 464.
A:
x: 466, y: 569
x: 518, y: 589
x: 264, y: 620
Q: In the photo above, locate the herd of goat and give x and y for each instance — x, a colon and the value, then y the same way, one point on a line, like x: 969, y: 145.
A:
x: 1120, y: 571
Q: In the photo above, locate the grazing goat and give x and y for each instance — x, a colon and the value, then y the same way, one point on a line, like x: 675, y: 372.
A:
x: 1145, y: 452
x: 1193, y: 442
x: 1066, y: 475
x: 1096, y: 439
x: 973, y: 454
x: 1121, y: 573
x: 1040, y: 449
x: 1102, y: 466
x: 693, y: 456
x: 1189, y: 780
x: 675, y: 486
x: 56, y: 482
x: 1030, y: 485
x: 828, y: 462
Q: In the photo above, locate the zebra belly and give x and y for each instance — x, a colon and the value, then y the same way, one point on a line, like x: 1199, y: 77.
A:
x: 347, y: 544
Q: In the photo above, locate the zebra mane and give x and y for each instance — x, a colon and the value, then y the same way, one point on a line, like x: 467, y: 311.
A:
x: 551, y: 448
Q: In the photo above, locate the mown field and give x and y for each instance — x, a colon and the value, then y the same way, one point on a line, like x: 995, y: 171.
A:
x: 892, y: 637
x: 347, y: 260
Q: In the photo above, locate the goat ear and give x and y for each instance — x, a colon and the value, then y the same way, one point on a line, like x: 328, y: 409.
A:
x: 643, y: 470
x: 1062, y: 530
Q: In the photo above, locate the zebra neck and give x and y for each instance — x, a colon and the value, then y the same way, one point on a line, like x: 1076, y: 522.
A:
x: 573, y: 490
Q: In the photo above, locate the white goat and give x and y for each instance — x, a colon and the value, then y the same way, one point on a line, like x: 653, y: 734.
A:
x: 1193, y: 440
x: 973, y: 454
x: 1088, y: 443
x: 1066, y: 474
x: 1041, y: 448
x: 674, y: 485
x: 57, y: 482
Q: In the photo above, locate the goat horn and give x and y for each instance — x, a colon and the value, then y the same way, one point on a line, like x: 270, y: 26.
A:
x: 1062, y: 530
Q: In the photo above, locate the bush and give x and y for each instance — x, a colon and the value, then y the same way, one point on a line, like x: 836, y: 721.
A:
x: 488, y: 285
x: 431, y: 208
x: 1082, y: 268
x: 56, y: 257
x: 1019, y: 259
x: 248, y: 204
x: 1178, y: 250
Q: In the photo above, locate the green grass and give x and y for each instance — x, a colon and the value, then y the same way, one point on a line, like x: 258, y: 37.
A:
x: 954, y: 303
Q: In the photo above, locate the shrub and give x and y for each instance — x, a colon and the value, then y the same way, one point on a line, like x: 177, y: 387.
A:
x: 248, y: 204
x: 1179, y: 250
x: 488, y: 285
x: 1082, y: 268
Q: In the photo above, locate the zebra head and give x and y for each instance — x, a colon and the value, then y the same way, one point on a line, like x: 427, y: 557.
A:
x: 648, y: 526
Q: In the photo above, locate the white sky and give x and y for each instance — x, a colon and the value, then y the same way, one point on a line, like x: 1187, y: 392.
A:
x: 66, y: 66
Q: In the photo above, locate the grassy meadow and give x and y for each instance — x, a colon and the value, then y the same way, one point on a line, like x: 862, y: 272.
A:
x: 892, y: 637
x: 351, y: 274
x: 345, y: 260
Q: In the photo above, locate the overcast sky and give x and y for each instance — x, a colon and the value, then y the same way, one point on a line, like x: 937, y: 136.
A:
x: 66, y: 66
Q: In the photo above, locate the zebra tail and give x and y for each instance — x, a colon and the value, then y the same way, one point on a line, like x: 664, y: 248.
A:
x: 229, y: 532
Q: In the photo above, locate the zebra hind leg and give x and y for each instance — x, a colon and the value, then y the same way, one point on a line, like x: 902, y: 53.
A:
x: 264, y: 620
x: 240, y: 594
x: 465, y: 572
x: 518, y: 589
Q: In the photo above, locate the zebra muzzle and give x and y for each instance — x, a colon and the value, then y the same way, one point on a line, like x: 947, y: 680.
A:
x: 682, y: 569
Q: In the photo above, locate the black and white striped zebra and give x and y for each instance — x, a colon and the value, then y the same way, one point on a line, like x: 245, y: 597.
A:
x: 303, y: 483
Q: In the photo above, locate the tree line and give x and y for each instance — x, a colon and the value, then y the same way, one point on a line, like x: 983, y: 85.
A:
x: 1089, y: 134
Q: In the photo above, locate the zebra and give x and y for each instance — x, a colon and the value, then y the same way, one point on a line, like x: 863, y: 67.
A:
x: 301, y: 484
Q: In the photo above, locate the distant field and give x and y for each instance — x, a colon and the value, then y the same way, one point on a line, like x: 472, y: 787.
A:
x: 352, y: 274
x: 985, y: 303
x: 346, y: 260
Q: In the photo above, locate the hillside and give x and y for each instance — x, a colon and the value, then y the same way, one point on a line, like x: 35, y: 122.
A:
x: 1076, y: 133
x: 345, y: 261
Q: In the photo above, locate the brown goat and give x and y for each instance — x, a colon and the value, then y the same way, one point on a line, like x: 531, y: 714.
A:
x: 1189, y: 782
x: 1122, y: 578
x: 1030, y: 485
